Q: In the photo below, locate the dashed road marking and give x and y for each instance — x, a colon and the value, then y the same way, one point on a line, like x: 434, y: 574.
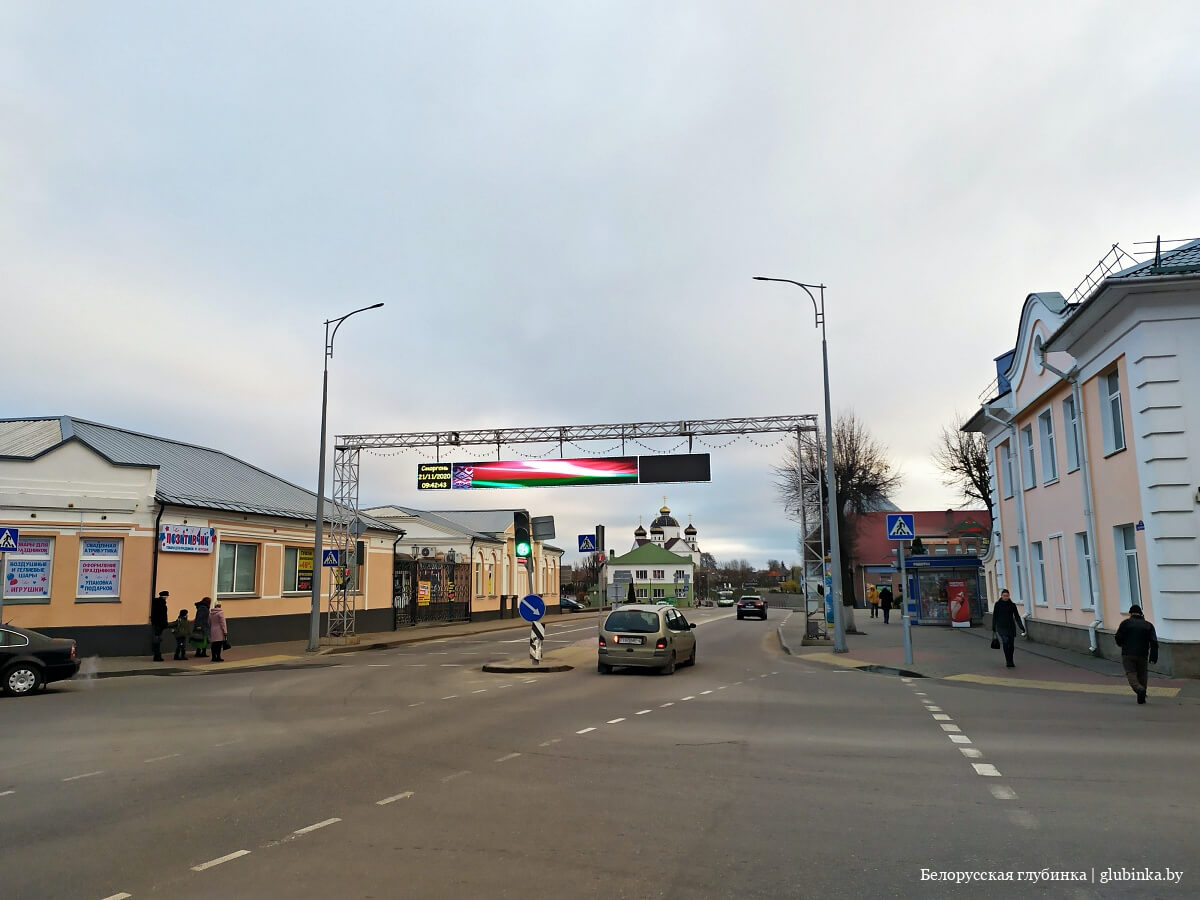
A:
x: 922, y: 694
x: 737, y: 682
x: 378, y: 665
x: 416, y: 665
x: 529, y: 681
x: 505, y: 685
x: 959, y: 738
x: 942, y: 717
x: 665, y: 705
x: 378, y: 712
x: 451, y: 697
x: 1003, y: 792
x: 480, y: 691
x: 454, y: 775
x: 929, y: 706
x: 219, y: 860
x: 722, y: 687
x: 307, y: 828
x: 702, y: 693
x: 642, y: 712
x: 418, y: 703
x: 155, y: 759
x: 508, y: 757
x: 950, y: 727
x: 121, y: 896
x: 549, y: 742
x: 6, y: 793
x: 451, y: 665
x: 585, y: 730
x: 615, y: 721
x: 688, y: 697
x: 986, y: 769
x: 392, y: 799
x: 84, y: 775
x: 227, y: 743
x: 971, y: 752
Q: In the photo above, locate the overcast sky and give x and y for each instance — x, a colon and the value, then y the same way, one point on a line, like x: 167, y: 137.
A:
x: 574, y: 193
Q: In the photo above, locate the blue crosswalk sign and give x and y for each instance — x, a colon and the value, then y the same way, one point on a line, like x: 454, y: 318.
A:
x: 9, y: 537
x: 331, y: 559
x: 900, y: 527
x: 587, y: 543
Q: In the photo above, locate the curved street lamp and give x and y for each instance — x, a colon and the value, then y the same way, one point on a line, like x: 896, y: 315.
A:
x: 835, y: 548
x: 314, y: 617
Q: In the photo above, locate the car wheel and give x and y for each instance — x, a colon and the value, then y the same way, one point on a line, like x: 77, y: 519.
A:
x: 603, y: 668
x: 22, y: 679
x: 669, y: 668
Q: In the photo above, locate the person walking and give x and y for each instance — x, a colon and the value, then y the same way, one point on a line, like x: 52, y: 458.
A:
x: 158, y: 623
x: 1005, y: 622
x: 885, y: 602
x: 200, y: 628
x: 873, y: 600
x: 217, y: 632
x: 1137, y: 639
x: 182, y: 629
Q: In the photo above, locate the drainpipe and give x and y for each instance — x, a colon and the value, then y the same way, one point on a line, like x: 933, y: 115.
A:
x: 1019, y: 493
x: 157, y: 523
x: 1089, y: 515
x: 395, y: 545
x: 471, y: 581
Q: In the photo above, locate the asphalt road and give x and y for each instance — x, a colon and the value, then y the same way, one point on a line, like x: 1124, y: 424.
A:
x: 410, y: 772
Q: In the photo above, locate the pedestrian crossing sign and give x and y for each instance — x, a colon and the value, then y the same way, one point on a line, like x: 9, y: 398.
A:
x: 587, y: 543
x: 9, y: 538
x: 900, y: 527
x: 331, y: 558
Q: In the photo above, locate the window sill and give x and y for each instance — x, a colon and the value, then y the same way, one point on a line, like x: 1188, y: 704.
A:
x: 240, y: 596
x: 97, y: 599
x: 1108, y: 453
x: 1053, y: 480
x: 1072, y: 471
x: 26, y: 601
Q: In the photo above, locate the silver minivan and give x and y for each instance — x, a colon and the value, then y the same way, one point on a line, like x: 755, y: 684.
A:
x: 648, y: 637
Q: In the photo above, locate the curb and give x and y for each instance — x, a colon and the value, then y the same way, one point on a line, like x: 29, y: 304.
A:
x: 783, y: 643
x: 524, y: 668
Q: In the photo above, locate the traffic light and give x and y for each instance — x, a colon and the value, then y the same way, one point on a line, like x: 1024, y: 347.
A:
x: 522, y: 543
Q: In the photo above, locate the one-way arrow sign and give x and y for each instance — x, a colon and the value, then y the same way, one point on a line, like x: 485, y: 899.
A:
x: 900, y: 527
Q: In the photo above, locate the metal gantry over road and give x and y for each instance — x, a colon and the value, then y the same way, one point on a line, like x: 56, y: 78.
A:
x: 344, y: 522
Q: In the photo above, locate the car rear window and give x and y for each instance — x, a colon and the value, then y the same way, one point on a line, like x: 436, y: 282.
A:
x: 634, y: 621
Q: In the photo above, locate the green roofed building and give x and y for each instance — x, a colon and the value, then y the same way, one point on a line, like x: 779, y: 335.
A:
x: 656, y: 574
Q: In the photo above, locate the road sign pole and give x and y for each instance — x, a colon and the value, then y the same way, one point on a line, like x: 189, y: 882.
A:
x: 905, y: 621
x: 3, y: 565
x: 537, y: 634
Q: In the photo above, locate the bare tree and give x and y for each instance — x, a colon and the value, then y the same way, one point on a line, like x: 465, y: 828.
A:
x: 962, y: 458
x: 864, y: 477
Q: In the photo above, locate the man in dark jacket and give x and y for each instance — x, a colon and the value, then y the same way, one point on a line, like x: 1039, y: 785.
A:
x: 885, y: 603
x: 1137, y: 640
x: 1005, y: 623
x: 159, y: 620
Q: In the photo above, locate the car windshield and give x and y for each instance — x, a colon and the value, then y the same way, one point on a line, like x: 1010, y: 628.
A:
x: 632, y: 620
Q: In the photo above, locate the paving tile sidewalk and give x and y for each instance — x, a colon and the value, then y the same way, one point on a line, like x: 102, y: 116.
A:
x: 295, y: 653
x: 965, y: 655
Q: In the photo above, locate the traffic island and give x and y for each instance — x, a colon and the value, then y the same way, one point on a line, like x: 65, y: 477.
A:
x: 576, y: 656
x: 527, y: 666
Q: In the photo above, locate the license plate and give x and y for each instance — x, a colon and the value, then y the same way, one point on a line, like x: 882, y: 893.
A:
x: 628, y: 639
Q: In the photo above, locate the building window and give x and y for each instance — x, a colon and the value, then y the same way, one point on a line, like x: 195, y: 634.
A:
x: 1071, y: 419
x: 297, y: 569
x: 478, y: 579
x: 660, y: 573
x: 1125, y: 538
x: 1110, y: 412
x: 99, y: 569
x: 237, y: 566
x: 640, y: 593
x: 28, y: 570
x: 660, y: 593
x: 679, y: 574
x: 1014, y: 585
x: 1037, y: 568
x: 1027, y: 459
x: 1083, y: 554
x: 640, y: 574
x: 1049, y: 456
x: 680, y: 591
x: 1006, y: 470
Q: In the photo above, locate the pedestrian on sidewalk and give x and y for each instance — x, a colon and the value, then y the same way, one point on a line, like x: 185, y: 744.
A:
x: 200, y: 628
x: 217, y: 631
x: 159, y: 620
x: 1137, y: 639
x: 182, y: 629
x: 873, y: 600
x: 1005, y: 623
x: 885, y: 602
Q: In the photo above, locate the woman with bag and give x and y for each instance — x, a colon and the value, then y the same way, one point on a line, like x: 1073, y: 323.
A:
x: 200, y: 628
x: 1005, y: 622
x: 217, y: 632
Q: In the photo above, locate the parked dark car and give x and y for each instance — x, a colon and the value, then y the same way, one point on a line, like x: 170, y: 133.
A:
x: 570, y: 605
x: 29, y: 660
x: 750, y: 605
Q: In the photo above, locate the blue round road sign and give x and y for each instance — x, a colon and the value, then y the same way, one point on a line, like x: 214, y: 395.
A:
x: 532, y: 607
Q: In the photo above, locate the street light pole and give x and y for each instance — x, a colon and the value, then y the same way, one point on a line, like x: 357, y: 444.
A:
x: 314, y: 617
x: 835, y: 548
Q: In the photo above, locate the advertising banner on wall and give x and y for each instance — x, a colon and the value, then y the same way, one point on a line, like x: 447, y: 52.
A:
x: 99, y: 568
x: 185, y: 539
x: 27, y: 570
x: 960, y: 609
x: 659, y: 469
x: 304, y: 569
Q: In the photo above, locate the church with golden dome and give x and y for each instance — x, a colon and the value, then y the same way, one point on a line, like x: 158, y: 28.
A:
x: 666, y: 533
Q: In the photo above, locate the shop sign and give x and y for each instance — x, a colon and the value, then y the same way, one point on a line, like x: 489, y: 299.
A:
x: 185, y: 539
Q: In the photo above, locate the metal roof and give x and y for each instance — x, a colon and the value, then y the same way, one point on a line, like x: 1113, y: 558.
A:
x: 188, y: 475
x: 1183, y: 260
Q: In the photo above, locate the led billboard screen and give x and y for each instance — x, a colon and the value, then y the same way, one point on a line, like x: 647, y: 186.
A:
x: 563, y: 472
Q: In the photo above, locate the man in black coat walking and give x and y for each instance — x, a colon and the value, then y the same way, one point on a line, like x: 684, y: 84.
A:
x: 159, y: 620
x: 885, y: 603
x: 1138, y: 641
x: 1005, y: 623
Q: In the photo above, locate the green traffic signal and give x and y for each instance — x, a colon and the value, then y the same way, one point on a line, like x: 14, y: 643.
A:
x: 522, y: 543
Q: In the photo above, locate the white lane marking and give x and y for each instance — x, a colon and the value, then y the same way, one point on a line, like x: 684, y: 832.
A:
x: 307, y: 828
x: 986, y: 769
x: 942, y: 717
x: 642, y: 712
x: 737, y: 682
x: 615, y: 721
x: 121, y: 896
x: 762, y: 676
x: 451, y: 697
x: 6, y: 793
x: 451, y: 665
x: 416, y: 665
x: 1003, y: 792
x: 227, y: 743
x: 392, y: 799
x: 505, y: 685
x: 508, y: 757
x: 418, y: 703
x: 480, y: 691
x: 334, y: 666
x: 722, y: 687
x: 378, y: 712
x: 454, y: 775
x: 906, y: 680
x: 929, y: 706
x: 950, y: 728
x: 922, y: 694
x: 1022, y: 818
x: 584, y: 730
x: 774, y: 673
x: 702, y: 693
x: 161, y: 758
x: 970, y: 752
x: 688, y: 697
x: 530, y: 681
x: 219, y: 860
x: 959, y: 738
x: 378, y: 665
x: 84, y: 775
x: 665, y: 705
x: 549, y: 742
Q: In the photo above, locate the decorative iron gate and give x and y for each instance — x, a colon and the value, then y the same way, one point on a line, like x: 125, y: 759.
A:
x: 430, y: 591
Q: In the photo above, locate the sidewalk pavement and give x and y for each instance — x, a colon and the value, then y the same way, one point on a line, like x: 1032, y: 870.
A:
x: 295, y: 653
x: 963, y: 654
